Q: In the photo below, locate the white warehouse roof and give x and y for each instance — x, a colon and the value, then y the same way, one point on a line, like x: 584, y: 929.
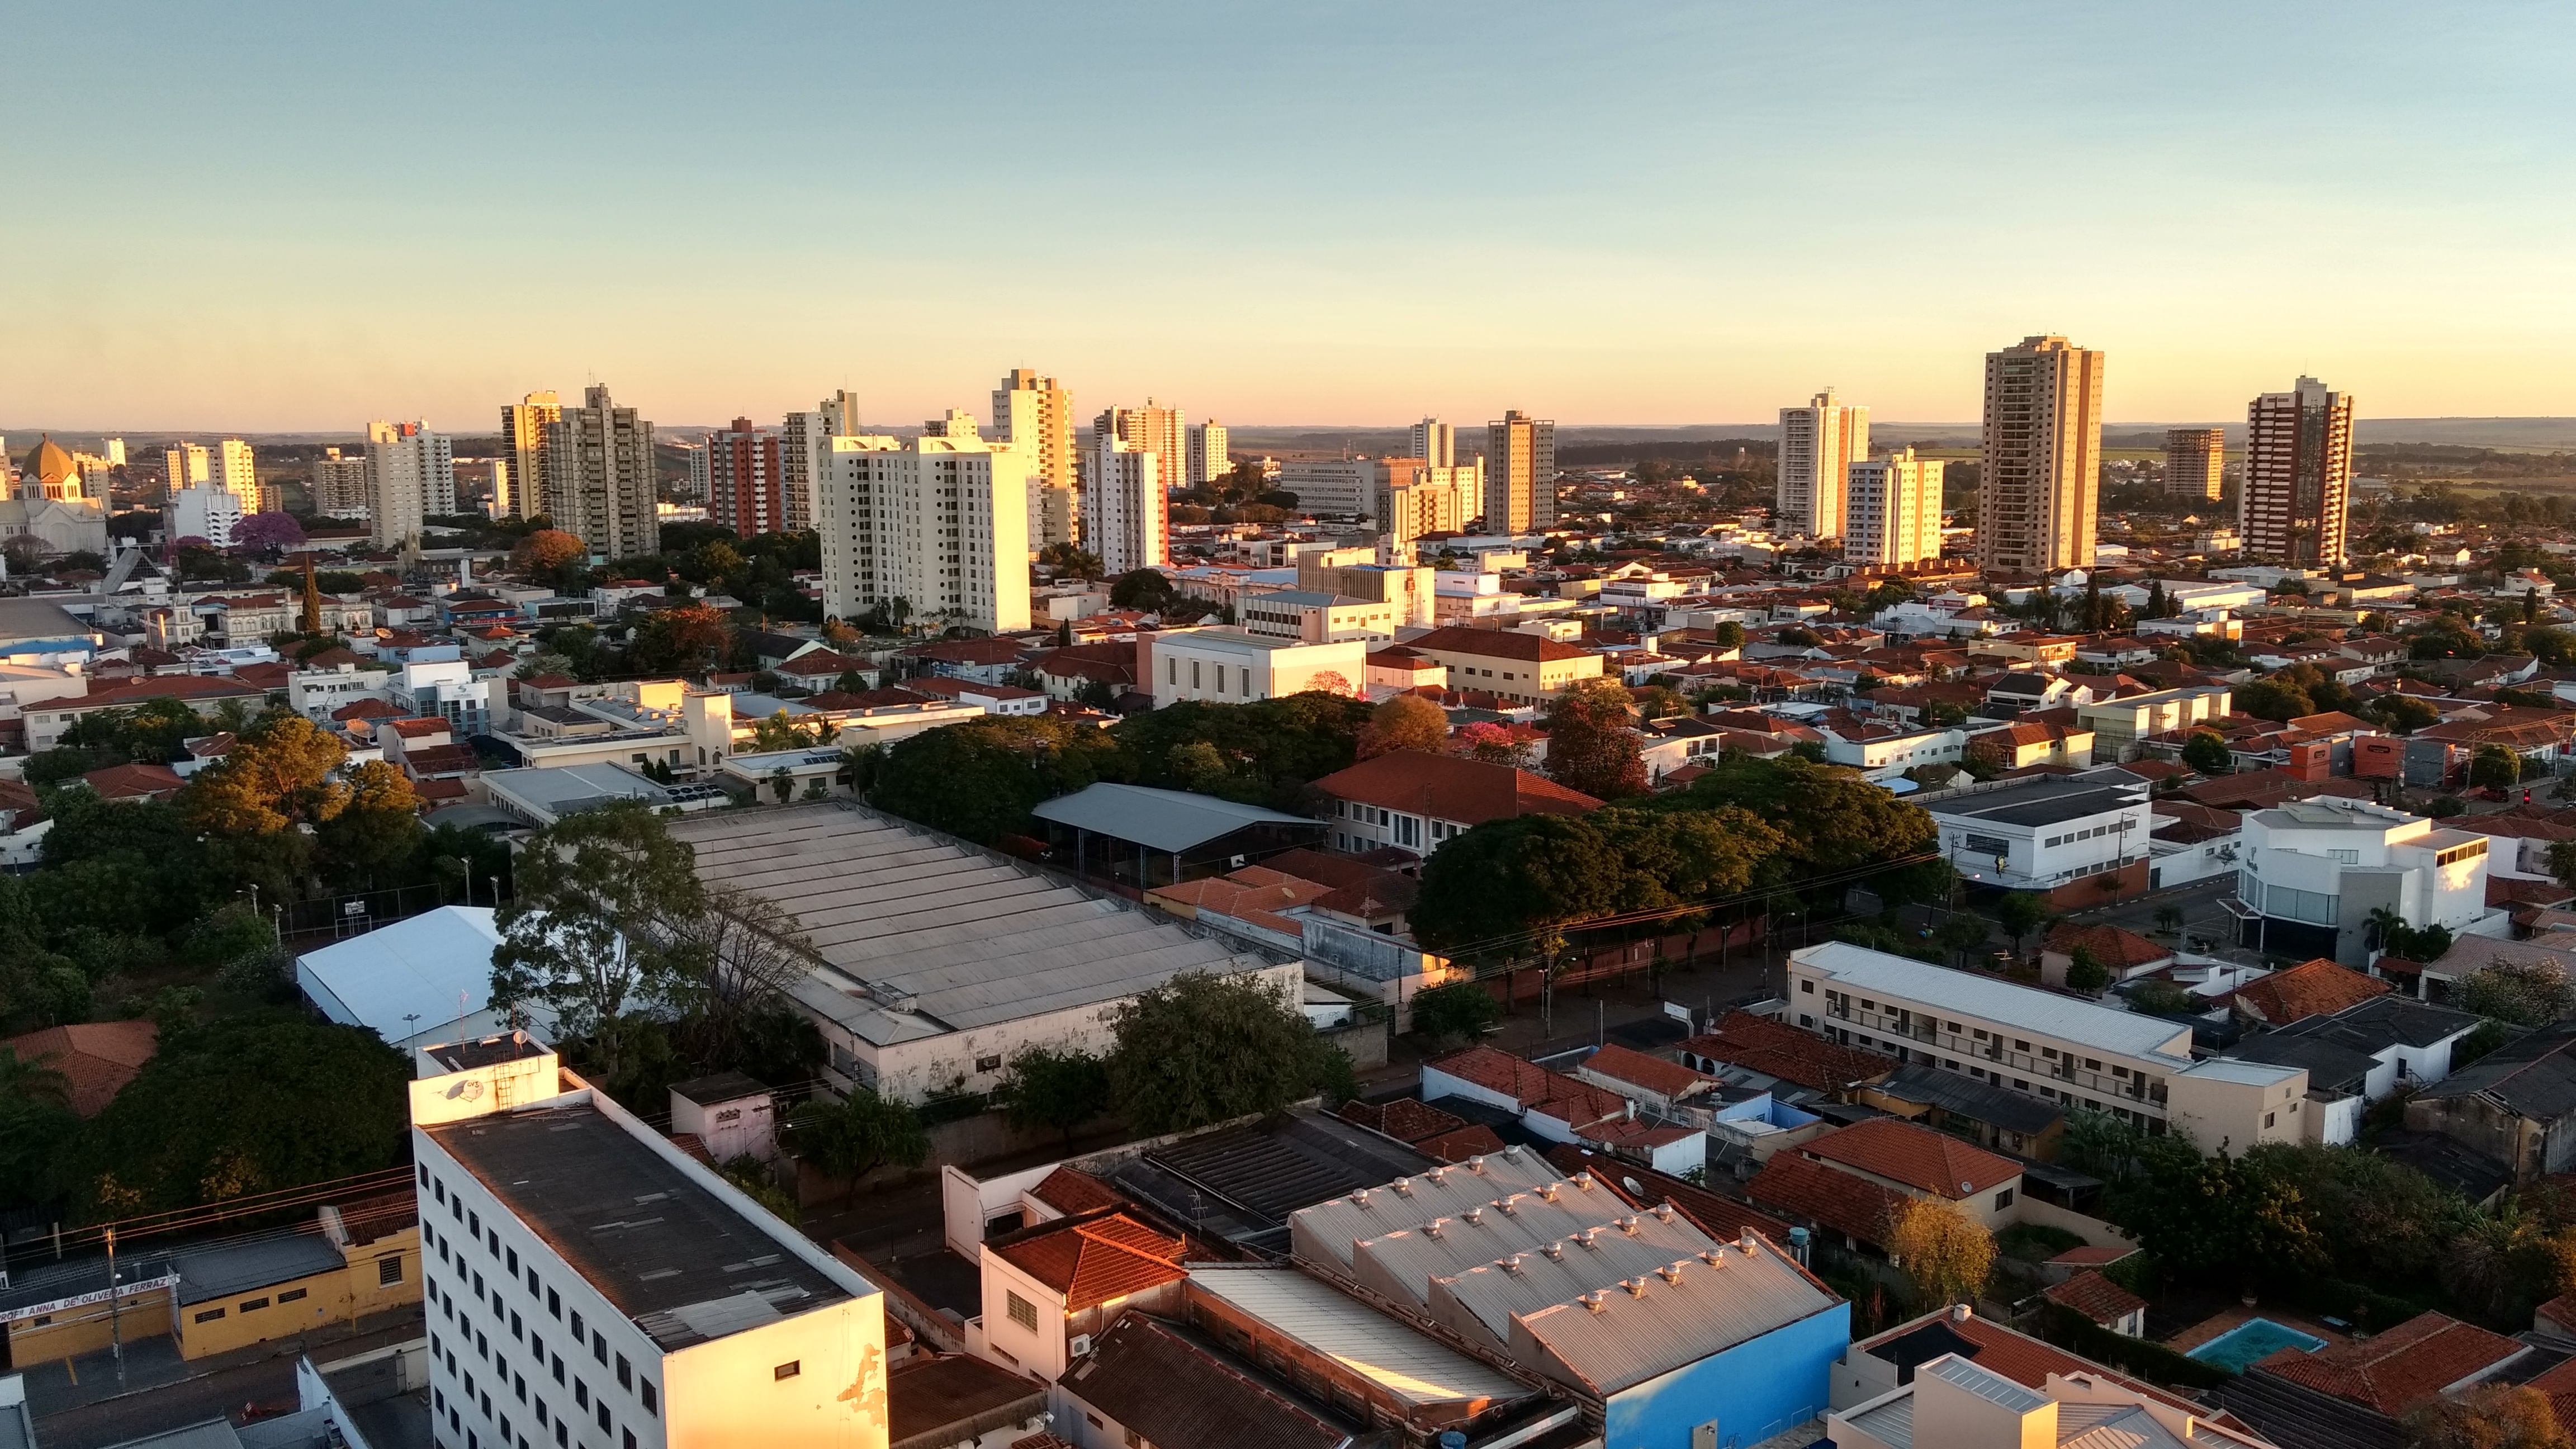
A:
x: 1969, y: 993
x: 413, y: 978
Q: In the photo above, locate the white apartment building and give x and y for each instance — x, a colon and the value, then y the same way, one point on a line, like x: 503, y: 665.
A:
x: 341, y: 488
x: 1161, y: 431
x: 2118, y: 725
x: 1208, y: 457
x: 1125, y: 514
x: 1520, y: 474
x: 599, y: 477
x: 203, y: 511
x: 234, y: 472
x: 1431, y: 498
x: 2313, y: 872
x: 1892, y: 510
x: 411, y: 476
x: 2039, y: 485
x: 939, y: 521
x: 1233, y: 667
x: 1333, y: 487
x: 185, y: 465
x: 1435, y: 443
x: 589, y: 1284
x: 2045, y: 831
x: 1035, y: 415
x: 1818, y: 445
x: 2072, y: 1052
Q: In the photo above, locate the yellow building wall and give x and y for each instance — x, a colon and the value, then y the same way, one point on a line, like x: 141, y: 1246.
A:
x: 86, y: 1329
x: 304, y: 1304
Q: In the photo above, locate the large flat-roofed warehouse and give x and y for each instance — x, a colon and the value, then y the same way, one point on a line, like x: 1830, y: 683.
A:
x: 938, y: 962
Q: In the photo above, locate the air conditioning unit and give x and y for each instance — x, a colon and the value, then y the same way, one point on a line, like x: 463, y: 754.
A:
x: 1080, y: 1345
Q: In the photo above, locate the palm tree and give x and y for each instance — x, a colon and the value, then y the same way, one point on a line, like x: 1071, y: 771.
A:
x: 2382, y: 928
x: 28, y: 1079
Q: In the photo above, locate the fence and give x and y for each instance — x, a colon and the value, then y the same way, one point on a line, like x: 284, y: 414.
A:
x: 321, y: 919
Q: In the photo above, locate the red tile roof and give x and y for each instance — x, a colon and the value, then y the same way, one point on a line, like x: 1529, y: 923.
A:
x: 2311, y: 988
x: 2028, y: 1361
x: 1093, y: 1260
x: 1577, y: 1104
x: 412, y: 729
x: 1774, y: 1048
x: 134, y: 782
x: 176, y: 686
x: 2096, y: 1297
x: 1808, y: 1189
x: 1494, y: 644
x: 98, y: 1058
x: 1469, y: 792
x: 2392, y: 1371
x: 1654, y: 1074
x: 1929, y: 1161
x: 2115, y: 948
x: 1072, y: 1191
x: 1461, y: 1145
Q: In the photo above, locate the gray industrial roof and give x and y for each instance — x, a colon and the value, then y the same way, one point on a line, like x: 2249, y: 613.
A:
x: 2046, y: 799
x: 920, y: 936
x: 34, y: 619
x: 222, y: 1271
x: 684, y: 1264
x: 1165, y: 820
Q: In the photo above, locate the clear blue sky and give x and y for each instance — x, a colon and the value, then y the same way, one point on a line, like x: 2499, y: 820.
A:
x: 269, y: 216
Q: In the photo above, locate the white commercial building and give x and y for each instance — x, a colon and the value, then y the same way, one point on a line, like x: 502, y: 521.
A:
x: 1333, y: 487
x: 1818, y: 445
x: 1208, y: 459
x: 2073, y: 1052
x: 939, y: 521
x: 1892, y: 510
x: 1232, y: 667
x: 206, y: 512
x: 422, y: 979
x: 588, y: 1283
x: 2045, y: 831
x: 2316, y: 873
x: 411, y: 476
x: 1125, y: 514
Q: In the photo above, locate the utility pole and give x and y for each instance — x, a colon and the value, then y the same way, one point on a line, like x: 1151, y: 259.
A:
x: 115, y: 1323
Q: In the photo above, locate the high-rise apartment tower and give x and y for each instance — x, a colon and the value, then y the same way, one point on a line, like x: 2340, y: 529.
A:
x: 523, y: 446
x: 1208, y: 461
x: 1818, y: 445
x: 938, y: 521
x: 599, y: 477
x: 235, y: 473
x: 1520, y: 474
x: 340, y: 486
x: 2195, y: 463
x: 747, y: 487
x: 1124, y: 519
x: 1435, y: 443
x: 2040, y: 483
x: 411, y: 475
x: 1892, y: 510
x: 1161, y: 431
x: 1035, y: 415
x: 2298, y: 475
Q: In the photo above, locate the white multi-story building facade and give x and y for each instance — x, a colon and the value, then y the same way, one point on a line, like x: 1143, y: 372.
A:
x: 2047, y: 831
x: 341, y: 486
x: 204, y: 511
x: 2298, y: 475
x: 1208, y: 457
x: 1035, y: 415
x: 1435, y: 443
x: 1818, y: 445
x: 1229, y: 666
x: 235, y: 472
x: 2039, y: 484
x: 1892, y: 510
x: 2315, y: 874
x: 1333, y: 487
x: 589, y: 1284
x: 411, y: 474
x: 939, y: 521
x: 185, y: 465
x: 1126, y: 516
x: 599, y: 477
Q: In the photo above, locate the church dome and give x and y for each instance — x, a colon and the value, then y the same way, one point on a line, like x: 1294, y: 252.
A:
x: 50, y: 464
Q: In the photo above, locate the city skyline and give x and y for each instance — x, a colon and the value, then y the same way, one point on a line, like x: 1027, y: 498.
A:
x: 1684, y: 259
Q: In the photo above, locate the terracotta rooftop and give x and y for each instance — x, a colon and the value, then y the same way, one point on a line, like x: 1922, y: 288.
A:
x: 134, y: 782
x: 1920, y: 1158
x: 1072, y: 1191
x: 1577, y: 1104
x: 96, y: 1058
x: 1805, y: 1188
x: 1469, y: 792
x: 2311, y: 988
x: 1653, y: 1074
x: 2115, y: 948
x: 2391, y: 1371
x: 1093, y: 1260
x: 1494, y: 644
x: 2096, y: 1297
x: 1776, y: 1049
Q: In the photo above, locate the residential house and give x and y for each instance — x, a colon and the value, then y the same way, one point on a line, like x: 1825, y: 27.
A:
x: 1418, y: 802
x: 1559, y: 1108
x: 1956, y: 1402
x: 1049, y: 1288
x: 2022, y: 744
x: 1523, y: 668
x: 2063, y: 834
x: 2516, y: 1105
x: 2120, y: 725
x: 2125, y: 954
x: 2299, y: 1394
x: 2318, y: 875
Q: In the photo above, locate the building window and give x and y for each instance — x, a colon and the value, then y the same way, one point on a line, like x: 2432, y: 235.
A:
x: 253, y: 1305
x: 210, y: 1315
x: 787, y: 1370
x: 989, y: 1064
x: 290, y: 1295
x: 652, y: 1400
x: 1023, y: 1312
x: 2003, y: 1199
x: 389, y: 1268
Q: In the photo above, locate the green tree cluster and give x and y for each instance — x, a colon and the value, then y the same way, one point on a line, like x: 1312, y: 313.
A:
x: 1200, y: 1049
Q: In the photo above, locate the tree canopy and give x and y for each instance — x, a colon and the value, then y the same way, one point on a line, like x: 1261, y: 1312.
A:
x: 977, y: 780
x: 1589, y: 745
x: 1404, y: 722
x: 1200, y: 1049
x: 596, y: 925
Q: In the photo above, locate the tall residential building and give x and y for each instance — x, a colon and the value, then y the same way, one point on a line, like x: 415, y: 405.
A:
x: 1818, y: 445
x: 1124, y: 517
x: 116, y: 452
x: 1426, y: 498
x: 204, y: 511
x: 499, y: 505
x: 1435, y: 443
x: 938, y: 521
x: 411, y: 476
x: 1208, y: 461
x: 2298, y: 475
x: 695, y: 455
x: 186, y: 465
x: 1035, y: 415
x: 2195, y: 460
x: 340, y: 486
x: 523, y: 446
x: 805, y: 449
x: 1892, y: 510
x: 599, y: 477
x: 747, y: 479
x: 2039, y: 487
x: 1161, y: 431
x: 236, y: 474
x: 1520, y: 474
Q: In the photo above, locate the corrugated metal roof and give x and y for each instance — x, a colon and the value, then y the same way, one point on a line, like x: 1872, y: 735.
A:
x: 920, y: 936
x: 1969, y: 994
x: 1331, y: 1230
x: 1167, y: 820
x: 1487, y: 1297
x: 1408, y: 1365
x: 1624, y: 1337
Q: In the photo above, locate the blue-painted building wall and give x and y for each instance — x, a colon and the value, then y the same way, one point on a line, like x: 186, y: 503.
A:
x: 1753, y: 1390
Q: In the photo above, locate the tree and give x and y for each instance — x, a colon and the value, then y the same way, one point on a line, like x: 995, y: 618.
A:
x: 1730, y: 635
x: 689, y: 639
x: 2158, y: 997
x: 376, y: 827
x: 1200, y: 1049
x: 2085, y: 971
x: 595, y: 926
x: 737, y: 957
x: 2207, y: 752
x: 1145, y: 589
x: 2491, y: 1416
x: 2020, y: 913
x: 1944, y: 1252
x: 36, y: 1126
x: 852, y: 1137
x: 1589, y: 745
x: 977, y: 780
x: 2495, y: 767
x: 243, y: 1105
x: 1497, y: 888
x: 546, y: 551
x: 781, y: 732
x: 2169, y: 920
x: 1458, y: 1012
x: 2522, y: 993
x: 275, y: 778
x: 2274, y: 697
x: 1960, y: 932
x: 1404, y: 722
x: 2403, y: 714
x: 268, y: 531
x: 1055, y: 1090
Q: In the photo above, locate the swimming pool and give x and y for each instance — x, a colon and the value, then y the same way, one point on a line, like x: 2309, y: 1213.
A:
x: 2251, y: 1342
